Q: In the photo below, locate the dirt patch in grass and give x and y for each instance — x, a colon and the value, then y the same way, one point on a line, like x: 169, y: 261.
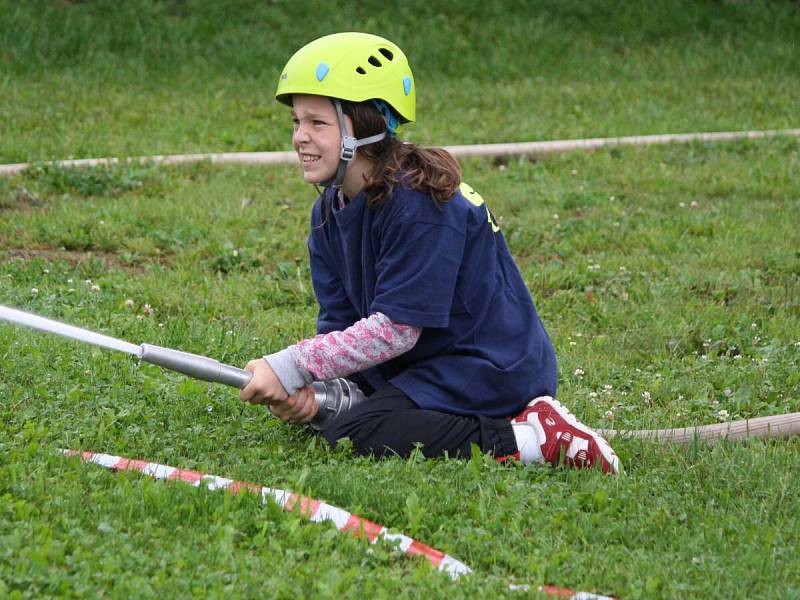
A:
x: 108, y: 260
x: 21, y: 199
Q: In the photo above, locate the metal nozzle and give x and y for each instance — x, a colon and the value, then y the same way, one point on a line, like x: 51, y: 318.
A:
x: 194, y: 365
x: 334, y: 397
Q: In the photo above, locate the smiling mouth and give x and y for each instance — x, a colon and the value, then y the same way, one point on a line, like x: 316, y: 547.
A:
x: 308, y: 159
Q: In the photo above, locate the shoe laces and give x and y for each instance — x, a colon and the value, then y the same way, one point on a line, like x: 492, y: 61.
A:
x: 569, y: 417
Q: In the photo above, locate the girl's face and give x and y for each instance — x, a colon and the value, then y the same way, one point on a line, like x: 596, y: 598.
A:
x: 316, y: 136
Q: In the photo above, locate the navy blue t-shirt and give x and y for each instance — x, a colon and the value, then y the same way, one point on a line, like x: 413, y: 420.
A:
x: 446, y: 269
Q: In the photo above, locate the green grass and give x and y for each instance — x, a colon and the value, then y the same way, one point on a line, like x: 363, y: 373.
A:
x: 668, y: 277
x: 696, y: 306
x: 96, y: 79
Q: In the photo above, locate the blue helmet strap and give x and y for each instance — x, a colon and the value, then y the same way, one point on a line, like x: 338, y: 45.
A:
x: 392, y: 122
x: 349, y: 146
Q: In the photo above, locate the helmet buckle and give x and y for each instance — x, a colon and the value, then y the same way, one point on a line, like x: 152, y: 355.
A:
x: 349, y: 145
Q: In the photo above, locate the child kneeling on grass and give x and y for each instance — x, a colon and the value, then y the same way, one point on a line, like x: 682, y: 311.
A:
x: 421, y: 303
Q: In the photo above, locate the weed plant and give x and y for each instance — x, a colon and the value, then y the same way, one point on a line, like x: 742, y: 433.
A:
x: 668, y: 278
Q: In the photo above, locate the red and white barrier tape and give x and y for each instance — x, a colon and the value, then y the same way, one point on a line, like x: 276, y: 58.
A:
x: 315, y: 510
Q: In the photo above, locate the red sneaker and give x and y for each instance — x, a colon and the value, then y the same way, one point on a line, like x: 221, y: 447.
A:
x: 547, y: 432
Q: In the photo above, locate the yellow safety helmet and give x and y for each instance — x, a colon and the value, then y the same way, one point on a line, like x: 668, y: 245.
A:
x: 351, y: 66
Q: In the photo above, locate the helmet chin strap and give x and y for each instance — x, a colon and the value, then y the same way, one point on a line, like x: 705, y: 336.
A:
x: 348, y: 148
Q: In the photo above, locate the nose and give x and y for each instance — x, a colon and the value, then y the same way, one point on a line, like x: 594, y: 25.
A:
x: 300, y: 135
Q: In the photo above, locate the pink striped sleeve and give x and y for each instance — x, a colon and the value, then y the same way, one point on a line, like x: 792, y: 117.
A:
x: 364, y: 344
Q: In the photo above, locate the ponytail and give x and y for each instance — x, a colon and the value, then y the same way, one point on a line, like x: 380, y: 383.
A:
x: 432, y: 171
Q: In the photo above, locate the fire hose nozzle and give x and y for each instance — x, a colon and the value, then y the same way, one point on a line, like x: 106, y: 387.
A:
x: 334, y: 396
x: 196, y: 366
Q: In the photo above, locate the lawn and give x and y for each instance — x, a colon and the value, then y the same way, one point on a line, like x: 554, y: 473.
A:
x: 668, y: 278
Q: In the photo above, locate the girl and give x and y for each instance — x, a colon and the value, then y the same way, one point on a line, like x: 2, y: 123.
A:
x: 421, y: 303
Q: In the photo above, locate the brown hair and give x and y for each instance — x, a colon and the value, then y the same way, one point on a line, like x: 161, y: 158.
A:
x: 430, y: 170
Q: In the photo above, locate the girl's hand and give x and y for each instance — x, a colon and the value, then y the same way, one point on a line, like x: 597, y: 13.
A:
x: 300, y: 407
x: 266, y: 388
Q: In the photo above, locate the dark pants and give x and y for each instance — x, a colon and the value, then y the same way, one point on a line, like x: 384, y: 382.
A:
x: 389, y: 422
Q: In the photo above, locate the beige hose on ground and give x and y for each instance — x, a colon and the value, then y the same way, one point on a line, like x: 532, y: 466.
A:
x: 485, y: 150
x: 775, y: 426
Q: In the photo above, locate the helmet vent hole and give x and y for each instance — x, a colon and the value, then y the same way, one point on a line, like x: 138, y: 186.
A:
x: 386, y: 53
x: 374, y: 61
x: 361, y: 71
